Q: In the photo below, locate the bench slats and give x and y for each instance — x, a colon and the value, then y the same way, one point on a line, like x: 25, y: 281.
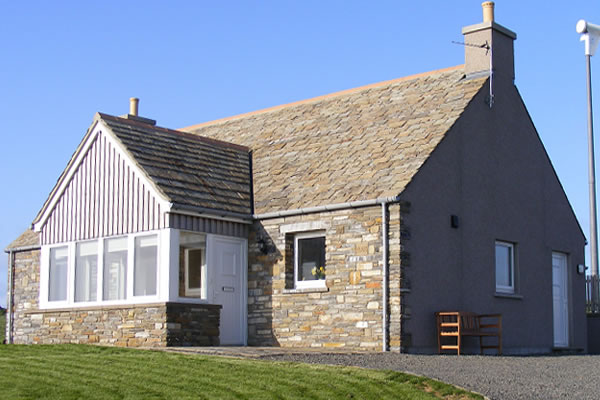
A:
x: 461, y: 323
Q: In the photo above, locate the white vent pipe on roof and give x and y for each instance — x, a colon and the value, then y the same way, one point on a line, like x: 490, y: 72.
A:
x: 133, y: 106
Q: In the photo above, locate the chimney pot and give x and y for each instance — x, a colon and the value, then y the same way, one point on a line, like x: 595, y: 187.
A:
x: 133, y: 106
x: 501, y: 59
x: 488, y: 11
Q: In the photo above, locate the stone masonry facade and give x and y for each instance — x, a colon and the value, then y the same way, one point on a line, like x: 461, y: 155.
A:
x: 347, y: 313
x: 148, y: 325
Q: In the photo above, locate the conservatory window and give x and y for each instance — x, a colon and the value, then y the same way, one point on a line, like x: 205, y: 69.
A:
x: 57, y: 279
x: 86, y: 271
x: 115, y: 269
x: 146, y: 260
x: 192, y: 265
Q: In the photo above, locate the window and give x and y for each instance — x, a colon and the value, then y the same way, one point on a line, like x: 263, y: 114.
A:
x: 505, y: 267
x: 115, y: 269
x: 118, y: 270
x: 57, y: 275
x: 144, y: 274
x: 192, y: 265
x: 86, y: 271
x: 309, y: 260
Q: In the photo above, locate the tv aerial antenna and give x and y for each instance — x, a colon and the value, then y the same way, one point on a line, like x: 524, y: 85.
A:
x: 488, y: 49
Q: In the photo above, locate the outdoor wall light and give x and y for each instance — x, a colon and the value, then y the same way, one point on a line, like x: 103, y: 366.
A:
x: 265, y: 246
x: 581, y: 269
x: 454, y: 221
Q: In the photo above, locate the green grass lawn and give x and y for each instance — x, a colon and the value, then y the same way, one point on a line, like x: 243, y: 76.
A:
x: 94, y: 372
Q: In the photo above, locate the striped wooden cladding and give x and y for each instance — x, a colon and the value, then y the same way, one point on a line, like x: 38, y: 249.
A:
x: 207, y: 225
x: 104, y: 198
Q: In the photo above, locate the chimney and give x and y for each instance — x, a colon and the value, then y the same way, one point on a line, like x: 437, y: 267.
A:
x: 489, y: 41
x: 133, y: 106
x: 133, y: 112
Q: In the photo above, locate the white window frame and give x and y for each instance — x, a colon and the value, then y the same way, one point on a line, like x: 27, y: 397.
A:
x: 510, y: 289
x: 44, y: 303
x: 310, y: 284
x: 202, y: 290
x: 133, y: 265
x: 128, y: 268
x: 45, y: 274
x: 98, y: 269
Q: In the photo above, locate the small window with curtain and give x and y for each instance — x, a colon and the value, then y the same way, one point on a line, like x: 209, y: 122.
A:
x: 309, y: 260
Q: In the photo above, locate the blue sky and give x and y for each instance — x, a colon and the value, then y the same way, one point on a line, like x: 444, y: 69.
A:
x: 195, y: 61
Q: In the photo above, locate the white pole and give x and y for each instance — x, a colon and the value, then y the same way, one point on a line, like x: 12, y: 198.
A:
x: 590, y: 34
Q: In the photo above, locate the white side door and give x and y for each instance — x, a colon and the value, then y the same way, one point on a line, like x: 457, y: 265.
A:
x: 227, y: 265
x: 560, y: 301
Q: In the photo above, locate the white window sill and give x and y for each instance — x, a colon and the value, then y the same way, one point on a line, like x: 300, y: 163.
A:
x: 137, y: 300
x: 319, y: 289
x: 508, y: 296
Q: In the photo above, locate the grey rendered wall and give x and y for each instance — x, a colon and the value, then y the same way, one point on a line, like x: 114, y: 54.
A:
x: 493, y: 173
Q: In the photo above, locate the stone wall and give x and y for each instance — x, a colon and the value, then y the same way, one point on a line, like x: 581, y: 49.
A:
x: 26, y: 281
x: 348, y: 313
x: 151, y: 325
x: 124, y: 326
x: 193, y: 324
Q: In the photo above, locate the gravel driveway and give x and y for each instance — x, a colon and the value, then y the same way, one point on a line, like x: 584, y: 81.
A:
x: 548, y: 377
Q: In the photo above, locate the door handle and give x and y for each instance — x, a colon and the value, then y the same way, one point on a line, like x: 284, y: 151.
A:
x: 228, y: 289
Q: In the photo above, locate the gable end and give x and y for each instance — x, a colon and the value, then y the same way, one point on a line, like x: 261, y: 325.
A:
x: 101, y: 193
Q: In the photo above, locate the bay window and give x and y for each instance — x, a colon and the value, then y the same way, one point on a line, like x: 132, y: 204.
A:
x: 116, y: 270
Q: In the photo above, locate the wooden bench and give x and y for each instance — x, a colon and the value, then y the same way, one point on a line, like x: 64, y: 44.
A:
x: 456, y: 324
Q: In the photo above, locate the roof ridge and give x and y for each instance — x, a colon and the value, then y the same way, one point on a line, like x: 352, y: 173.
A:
x: 187, y: 135
x: 321, y: 97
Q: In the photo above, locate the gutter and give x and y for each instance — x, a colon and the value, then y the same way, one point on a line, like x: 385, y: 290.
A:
x: 10, y: 295
x: 330, y: 207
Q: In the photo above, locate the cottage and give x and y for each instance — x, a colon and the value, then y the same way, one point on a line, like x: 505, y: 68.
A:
x: 346, y: 220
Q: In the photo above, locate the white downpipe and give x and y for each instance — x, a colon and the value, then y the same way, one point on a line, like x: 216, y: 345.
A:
x: 384, y: 237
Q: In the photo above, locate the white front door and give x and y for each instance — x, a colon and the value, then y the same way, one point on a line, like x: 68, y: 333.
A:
x: 227, y: 266
x: 560, y: 300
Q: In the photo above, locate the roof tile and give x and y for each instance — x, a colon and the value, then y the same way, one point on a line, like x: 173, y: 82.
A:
x: 358, y: 145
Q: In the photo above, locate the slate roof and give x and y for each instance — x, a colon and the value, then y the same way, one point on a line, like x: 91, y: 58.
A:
x: 194, y: 173
x: 360, y: 144
x: 28, y: 239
